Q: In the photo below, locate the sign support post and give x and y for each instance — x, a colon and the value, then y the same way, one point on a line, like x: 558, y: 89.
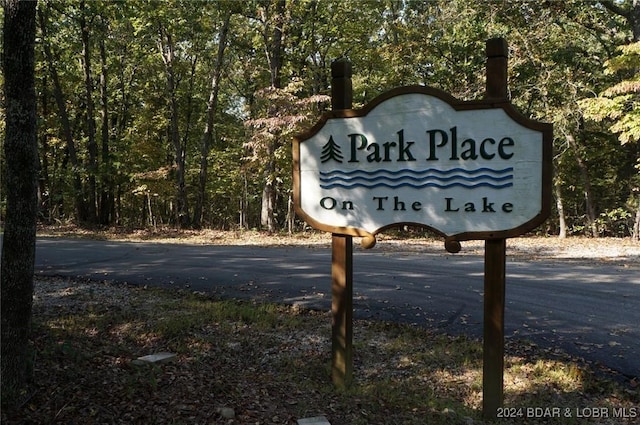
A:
x: 494, y: 261
x: 341, y: 257
x: 493, y: 341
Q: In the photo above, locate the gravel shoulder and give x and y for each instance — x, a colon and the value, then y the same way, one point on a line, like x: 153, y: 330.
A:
x: 526, y: 247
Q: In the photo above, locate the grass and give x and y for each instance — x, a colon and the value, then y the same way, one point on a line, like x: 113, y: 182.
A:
x: 271, y: 364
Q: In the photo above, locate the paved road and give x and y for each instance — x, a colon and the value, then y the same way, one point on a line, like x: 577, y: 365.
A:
x: 586, y: 308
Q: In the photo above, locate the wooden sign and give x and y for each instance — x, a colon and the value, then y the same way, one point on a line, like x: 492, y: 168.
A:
x: 416, y: 155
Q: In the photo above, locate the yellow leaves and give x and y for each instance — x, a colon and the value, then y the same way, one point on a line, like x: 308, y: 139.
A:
x: 600, y: 108
x: 620, y: 102
x: 628, y: 59
x: 623, y: 87
x: 161, y: 173
x: 624, y: 111
x: 628, y: 126
x: 280, y: 112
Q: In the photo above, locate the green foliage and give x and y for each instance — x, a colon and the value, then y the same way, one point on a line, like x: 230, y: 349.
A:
x: 616, y: 223
x: 154, y: 129
x: 620, y: 103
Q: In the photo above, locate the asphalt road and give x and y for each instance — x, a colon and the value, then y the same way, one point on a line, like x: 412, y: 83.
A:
x: 587, y: 308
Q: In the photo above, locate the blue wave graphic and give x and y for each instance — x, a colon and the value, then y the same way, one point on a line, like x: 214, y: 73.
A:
x: 417, y: 186
x: 442, y: 179
x: 428, y: 171
x: 415, y: 179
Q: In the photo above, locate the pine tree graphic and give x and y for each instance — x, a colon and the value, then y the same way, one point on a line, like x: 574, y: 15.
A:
x: 331, y: 151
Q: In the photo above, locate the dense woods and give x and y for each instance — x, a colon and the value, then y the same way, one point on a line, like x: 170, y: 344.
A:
x: 181, y: 113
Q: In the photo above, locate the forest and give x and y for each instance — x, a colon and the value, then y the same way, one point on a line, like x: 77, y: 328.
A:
x: 181, y: 113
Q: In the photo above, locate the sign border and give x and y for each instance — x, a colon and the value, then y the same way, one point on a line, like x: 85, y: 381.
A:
x: 452, y: 242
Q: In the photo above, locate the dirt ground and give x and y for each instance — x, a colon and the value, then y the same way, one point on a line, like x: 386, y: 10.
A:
x: 575, y: 247
x: 269, y: 365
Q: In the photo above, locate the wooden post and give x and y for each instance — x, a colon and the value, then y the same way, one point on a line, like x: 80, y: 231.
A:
x: 342, y: 310
x: 493, y: 341
x: 341, y: 258
x: 494, y: 262
x: 341, y: 87
x: 497, y: 52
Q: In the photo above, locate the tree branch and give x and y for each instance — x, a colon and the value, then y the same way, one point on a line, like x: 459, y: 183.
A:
x: 616, y: 9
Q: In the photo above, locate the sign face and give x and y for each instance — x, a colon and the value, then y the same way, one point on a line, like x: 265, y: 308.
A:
x: 416, y: 155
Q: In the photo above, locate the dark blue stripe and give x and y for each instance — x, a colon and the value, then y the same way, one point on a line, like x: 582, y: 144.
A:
x: 417, y: 172
x: 416, y: 186
x: 415, y: 179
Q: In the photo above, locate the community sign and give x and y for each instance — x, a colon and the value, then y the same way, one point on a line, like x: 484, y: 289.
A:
x: 416, y: 155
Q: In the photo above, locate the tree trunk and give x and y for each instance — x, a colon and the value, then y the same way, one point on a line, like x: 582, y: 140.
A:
x: 636, y: 224
x: 291, y: 215
x: 243, y: 221
x: 588, y: 192
x: 274, y: 56
x: 630, y: 13
x: 44, y: 182
x: 107, y: 186
x: 21, y: 150
x: 67, y: 134
x: 275, y: 50
x: 268, y: 207
x: 184, y: 219
x: 634, y: 20
x: 92, y: 147
x: 207, y: 137
x: 560, y: 207
x: 267, y: 212
x: 165, y: 44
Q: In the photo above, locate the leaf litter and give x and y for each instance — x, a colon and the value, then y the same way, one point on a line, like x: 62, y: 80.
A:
x: 248, y: 363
